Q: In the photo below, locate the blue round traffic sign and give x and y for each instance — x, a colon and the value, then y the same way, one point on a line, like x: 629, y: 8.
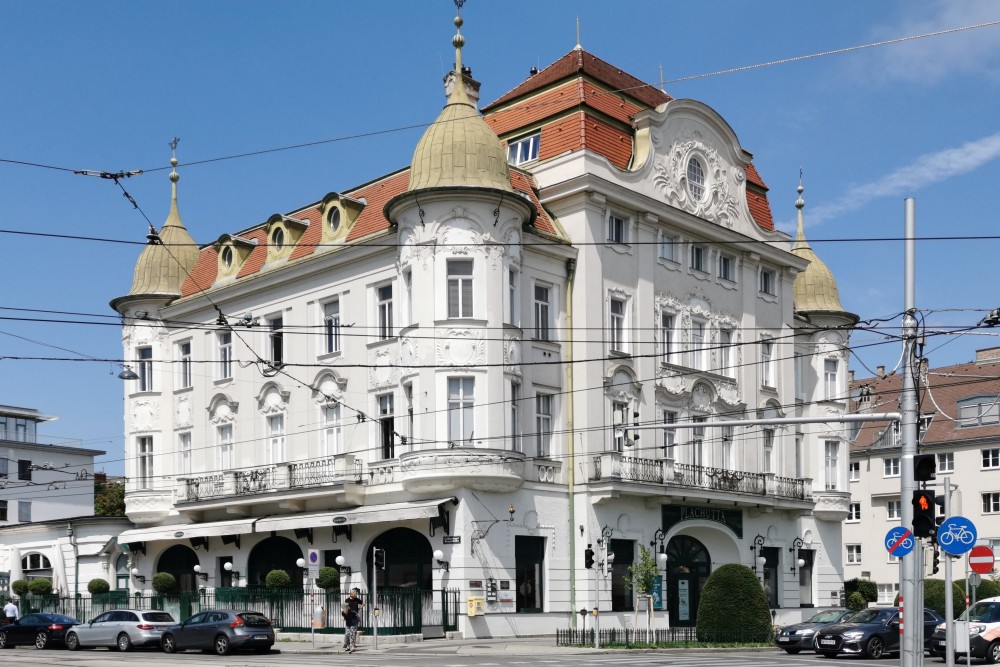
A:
x: 956, y: 535
x: 899, y: 541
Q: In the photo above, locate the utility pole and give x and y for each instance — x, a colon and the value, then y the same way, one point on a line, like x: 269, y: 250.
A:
x: 911, y: 615
x: 949, y: 602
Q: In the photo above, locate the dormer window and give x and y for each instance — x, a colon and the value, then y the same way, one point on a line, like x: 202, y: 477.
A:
x: 978, y: 411
x: 339, y: 215
x: 333, y: 219
x: 278, y: 238
x: 283, y: 232
x: 696, y: 178
x: 233, y: 252
x: 227, y: 257
x: 523, y: 150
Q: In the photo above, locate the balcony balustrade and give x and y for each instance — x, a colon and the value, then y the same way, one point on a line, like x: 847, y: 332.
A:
x: 326, y: 471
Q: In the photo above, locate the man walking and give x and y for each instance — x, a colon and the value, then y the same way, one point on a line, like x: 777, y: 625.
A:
x: 352, y: 618
x: 10, y: 612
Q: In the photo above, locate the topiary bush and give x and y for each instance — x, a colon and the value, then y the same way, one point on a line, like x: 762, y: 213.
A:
x: 277, y: 579
x: 40, y: 587
x: 164, y: 583
x: 328, y: 578
x: 98, y: 586
x: 934, y: 595
x: 987, y: 588
x: 733, y: 607
x: 867, y: 588
x: 20, y: 587
x: 856, y: 601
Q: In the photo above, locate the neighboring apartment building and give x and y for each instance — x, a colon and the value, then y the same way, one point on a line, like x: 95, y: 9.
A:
x: 454, y: 357
x: 959, y: 424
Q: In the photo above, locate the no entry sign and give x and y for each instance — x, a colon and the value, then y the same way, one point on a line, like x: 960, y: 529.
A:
x: 981, y: 560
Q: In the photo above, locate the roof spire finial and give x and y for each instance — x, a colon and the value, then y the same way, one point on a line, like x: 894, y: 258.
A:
x: 800, y: 234
x: 458, y: 41
x: 578, y: 47
x: 174, y: 176
x: 661, y: 79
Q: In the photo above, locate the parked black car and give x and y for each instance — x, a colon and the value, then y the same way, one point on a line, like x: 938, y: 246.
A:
x: 871, y: 632
x: 800, y: 636
x: 42, y: 630
x: 220, y: 630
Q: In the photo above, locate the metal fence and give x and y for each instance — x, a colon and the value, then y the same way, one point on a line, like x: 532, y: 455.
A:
x: 402, y: 611
x: 629, y: 637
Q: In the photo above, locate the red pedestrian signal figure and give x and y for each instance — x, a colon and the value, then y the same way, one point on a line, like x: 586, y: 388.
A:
x: 924, y: 524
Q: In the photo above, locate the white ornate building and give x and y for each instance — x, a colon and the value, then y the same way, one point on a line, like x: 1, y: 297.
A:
x: 455, y: 357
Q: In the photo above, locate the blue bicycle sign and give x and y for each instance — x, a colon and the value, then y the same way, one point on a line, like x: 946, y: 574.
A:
x: 899, y: 541
x: 956, y: 535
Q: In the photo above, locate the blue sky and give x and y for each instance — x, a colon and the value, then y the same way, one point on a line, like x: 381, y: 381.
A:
x: 106, y: 85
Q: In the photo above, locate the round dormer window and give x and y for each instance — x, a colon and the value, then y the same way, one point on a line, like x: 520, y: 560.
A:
x: 334, y: 219
x: 278, y: 238
x: 227, y: 257
x: 696, y: 178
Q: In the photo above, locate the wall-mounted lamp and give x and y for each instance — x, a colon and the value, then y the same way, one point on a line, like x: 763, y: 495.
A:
x: 198, y: 573
x: 138, y: 577
x: 442, y: 563
x: 228, y: 567
x: 128, y: 374
x: 794, y: 549
x: 662, y: 559
x: 344, y: 569
x: 510, y: 510
x: 659, y: 536
x: 758, y: 548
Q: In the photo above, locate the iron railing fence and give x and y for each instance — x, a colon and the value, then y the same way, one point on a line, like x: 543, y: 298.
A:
x: 682, y: 636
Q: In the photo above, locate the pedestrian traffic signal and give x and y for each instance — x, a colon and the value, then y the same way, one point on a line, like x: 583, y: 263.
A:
x: 610, y: 561
x: 924, y: 510
x: 378, y: 555
x: 936, y: 564
x: 588, y: 557
x: 939, y: 501
x: 924, y: 467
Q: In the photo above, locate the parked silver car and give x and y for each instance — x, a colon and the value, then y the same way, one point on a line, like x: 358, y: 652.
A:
x: 121, y: 628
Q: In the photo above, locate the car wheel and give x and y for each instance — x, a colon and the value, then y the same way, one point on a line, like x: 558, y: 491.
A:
x: 993, y: 653
x: 222, y: 645
x: 41, y: 640
x: 124, y: 642
x: 72, y: 642
x: 3, y: 641
x: 168, y: 644
x: 875, y: 648
x: 792, y: 651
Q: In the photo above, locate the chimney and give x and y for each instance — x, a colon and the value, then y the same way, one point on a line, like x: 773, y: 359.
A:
x: 987, y: 355
x: 880, y: 371
x: 532, y: 72
x: 471, y: 85
x: 850, y: 376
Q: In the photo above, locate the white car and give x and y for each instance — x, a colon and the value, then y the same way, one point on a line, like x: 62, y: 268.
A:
x: 121, y: 628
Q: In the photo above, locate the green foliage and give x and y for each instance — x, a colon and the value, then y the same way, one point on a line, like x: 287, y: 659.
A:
x: 109, y: 498
x: 856, y: 601
x: 733, y: 601
x: 642, y: 576
x: 40, y: 586
x: 20, y: 587
x: 98, y: 586
x: 867, y: 588
x: 328, y: 578
x: 277, y: 579
x: 934, y: 595
x: 987, y: 588
x: 164, y: 583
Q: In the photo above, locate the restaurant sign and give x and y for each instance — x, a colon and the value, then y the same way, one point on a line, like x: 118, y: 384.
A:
x: 675, y: 514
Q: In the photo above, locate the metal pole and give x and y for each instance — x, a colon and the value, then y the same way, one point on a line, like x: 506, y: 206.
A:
x: 949, y: 601
x: 968, y: 654
x: 374, y: 599
x: 908, y: 433
x: 312, y: 612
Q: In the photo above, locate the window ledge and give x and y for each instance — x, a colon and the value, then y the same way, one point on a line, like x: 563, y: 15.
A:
x: 699, y: 274
x: 618, y: 354
x: 726, y: 283
x: 145, y: 393
x: 218, y: 382
x: 184, y: 390
x: 382, y: 342
x: 770, y: 298
x: 329, y: 356
x: 619, y: 247
x: 669, y: 264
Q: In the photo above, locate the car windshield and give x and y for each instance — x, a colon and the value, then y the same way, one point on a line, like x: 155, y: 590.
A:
x: 828, y: 616
x: 158, y: 617
x: 869, y: 616
x: 981, y: 611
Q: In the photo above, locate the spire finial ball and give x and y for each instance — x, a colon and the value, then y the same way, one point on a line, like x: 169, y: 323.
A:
x: 458, y: 41
x: 458, y: 21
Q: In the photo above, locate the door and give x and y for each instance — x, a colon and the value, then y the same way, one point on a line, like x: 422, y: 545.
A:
x: 688, y: 566
x: 892, y: 634
x: 23, y: 632
x: 89, y: 634
x: 188, y: 634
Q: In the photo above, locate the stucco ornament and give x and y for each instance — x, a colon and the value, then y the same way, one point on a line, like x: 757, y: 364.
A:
x: 382, y: 369
x: 329, y: 388
x: 145, y: 414
x: 223, y: 412
x: 717, y: 202
x: 672, y: 381
x: 701, y: 397
x: 183, y: 411
x: 273, y: 402
x: 460, y: 347
x: 512, y: 354
x: 409, y: 350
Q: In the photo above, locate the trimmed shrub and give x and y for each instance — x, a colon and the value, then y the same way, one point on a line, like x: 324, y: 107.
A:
x: 867, y: 588
x: 98, y: 586
x: 328, y: 578
x: 733, y: 607
x: 987, y: 588
x: 856, y: 601
x: 277, y: 579
x: 934, y: 595
x: 20, y: 587
x: 164, y: 583
x: 40, y: 587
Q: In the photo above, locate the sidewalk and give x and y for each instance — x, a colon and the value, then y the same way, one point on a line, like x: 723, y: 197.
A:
x: 397, y: 644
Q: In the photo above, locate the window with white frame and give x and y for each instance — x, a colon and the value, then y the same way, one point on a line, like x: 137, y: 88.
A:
x: 991, y: 458
x: 767, y: 363
x: 946, y: 462
x: 666, y: 335
x: 892, y: 510
x: 768, y: 434
x: 543, y: 314
x: 854, y: 512
x: 853, y: 554
x: 331, y: 326
x: 224, y: 355
x: 887, y: 593
x: 669, y: 434
x: 978, y: 411
x: 726, y: 351
x: 408, y: 400
x: 276, y: 340
x: 698, y: 351
x: 617, y: 228
x: 831, y: 457
x: 767, y: 282
x: 991, y: 503
x: 387, y: 425
x: 144, y: 367
x: 184, y: 453
x: 854, y: 471
x: 697, y: 444
x: 332, y: 434
x: 830, y: 389
x: 383, y: 295
x: 699, y: 257
x: 408, y: 296
x: 667, y: 247
x: 524, y: 149
x: 276, y: 438
x: 543, y: 424
x: 695, y: 178
x: 459, y: 288
x: 619, y: 420
x: 890, y: 467
x: 727, y: 267
x: 224, y: 446
x: 185, y: 376
x: 616, y: 331
x: 513, y: 297
x: 461, y: 425
x: 144, y: 462
x: 515, y: 416
x: 24, y: 511
x: 728, y: 432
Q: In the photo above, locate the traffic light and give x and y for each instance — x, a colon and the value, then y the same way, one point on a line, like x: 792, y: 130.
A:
x: 610, y: 561
x: 939, y: 501
x: 924, y: 467
x: 635, y: 422
x: 588, y: 557
x: 924, y: 510
x: 936, y: 564
x: 378, y: 555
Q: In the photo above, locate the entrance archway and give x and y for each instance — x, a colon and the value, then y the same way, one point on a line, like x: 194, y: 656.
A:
x: 179, y: 560
x: 688, y: 567
x: 274, y: 553
x: 407, y: 560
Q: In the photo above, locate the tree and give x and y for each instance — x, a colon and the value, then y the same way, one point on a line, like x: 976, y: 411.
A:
x: 20, y: 587
x: 40, y: 586
x: 856, y: 601
x: 733, y: 607
x: 328, y: 578
x: 98, y: 586
x: 109, y: 497
x: 164, y: 583
x: 277, y: 579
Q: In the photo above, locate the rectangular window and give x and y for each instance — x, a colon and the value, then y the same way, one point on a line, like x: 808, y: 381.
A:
x: 853, y: 554
x: 699, y: 258
x: 387, y: 425
x: 832, y: 450
x: 617, y: 229
x: 854, y: 512
x: 24, y: 511
x: 542, y: 314
x: 513, y: 297
x: 768, y: 450
x: 408, y: 295
x: 3, y: 463
x: 727, y: 268
x: 890, y: 467
x: 854, y: 471
x: 979, y: 411
x: 698, y: 346
x: 767, y: 285
x: 529, y: 567
x: 144, y: 462
x: 946, y: 462
x: 332, y: 443
x: 24, y: 470
x: 831, y: 392
x: 669, y: 434
x: 515, y: 418
x: 887, y: 593
x: 144, y: 367
x: 461, y: 425
x: 727, y: 448
x: 616, y: 333
x: 668, y: 247
x: 184, y: 454
x: 991, y: 458
x: 3, y: 510
x: 991, y: 503
x: 666, y: 335
x: 459, y: 288
x: 767, y: 363
x: 726, y: 352
x: 543, y: 424
x: 331, y: 327
x: 384, y: 296
x: 892, y: 510
x: 698, y: 441
x: 184, y: 367
x: 224, y: 441
x: 225, y: 356
x: 276, y: 340
x: 276, y: 439
x: 619, y: 417
x: 523, y: 150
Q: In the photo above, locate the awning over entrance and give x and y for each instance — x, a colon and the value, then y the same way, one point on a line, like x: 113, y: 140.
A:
x: 420, y: 509
x: 187, y: 530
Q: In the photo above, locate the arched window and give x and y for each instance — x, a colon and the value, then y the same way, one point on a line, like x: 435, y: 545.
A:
x: 36, y: 566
